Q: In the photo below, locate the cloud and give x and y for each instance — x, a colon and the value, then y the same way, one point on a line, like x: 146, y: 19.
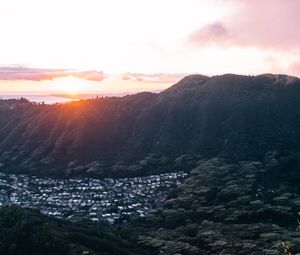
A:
x: 92, y: 75
x: 211, y: 33
x: 153, y: 78
x: 14, y: 73
x: 294, y: 68
x: 267, y: 24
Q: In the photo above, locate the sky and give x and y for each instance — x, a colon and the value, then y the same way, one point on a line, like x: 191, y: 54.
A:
x: 116, y: 46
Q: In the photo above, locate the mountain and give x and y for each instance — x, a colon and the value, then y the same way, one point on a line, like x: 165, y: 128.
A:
x: 232, y: 116
x: 238, y: 136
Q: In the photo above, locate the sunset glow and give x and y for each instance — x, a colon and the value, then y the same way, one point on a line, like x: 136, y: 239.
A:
x: 54, y: 40
x: 71, y: 85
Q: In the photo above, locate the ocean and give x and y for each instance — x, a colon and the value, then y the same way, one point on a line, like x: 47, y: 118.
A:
x: 56, y: 98
x: 47, y: 99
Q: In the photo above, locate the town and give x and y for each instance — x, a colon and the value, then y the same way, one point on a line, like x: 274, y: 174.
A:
x: 112, y: 200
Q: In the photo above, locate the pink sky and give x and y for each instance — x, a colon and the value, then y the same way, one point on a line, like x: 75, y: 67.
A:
x: 136, y: 45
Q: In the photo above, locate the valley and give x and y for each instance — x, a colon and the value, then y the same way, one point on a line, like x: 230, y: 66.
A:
x: 111, y: 200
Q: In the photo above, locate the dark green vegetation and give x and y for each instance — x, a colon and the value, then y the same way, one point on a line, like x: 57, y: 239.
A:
x: 221, y: 208
x: 225, y: 208
x: 28, y: 232
x: 232, y: 116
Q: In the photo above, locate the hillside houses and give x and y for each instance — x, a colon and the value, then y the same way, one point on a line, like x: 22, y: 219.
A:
x: 113, y: 200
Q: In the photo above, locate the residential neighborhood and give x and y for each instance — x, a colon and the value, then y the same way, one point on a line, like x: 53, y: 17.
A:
x: 113, y: 200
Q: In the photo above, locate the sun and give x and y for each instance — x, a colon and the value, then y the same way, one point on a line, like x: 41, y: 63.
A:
x: 71, y: 85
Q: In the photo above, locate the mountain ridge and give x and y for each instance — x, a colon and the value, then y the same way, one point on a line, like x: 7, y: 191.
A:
x: 233, y: 116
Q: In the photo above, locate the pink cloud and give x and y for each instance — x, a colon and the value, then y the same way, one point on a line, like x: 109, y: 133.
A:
x: 211, y: 33
x: 13, y: 73
x: 90, y: 75
x: 294, y: 68
x: 256, y: 23
x: 153, y: 78
x: 126, y: 77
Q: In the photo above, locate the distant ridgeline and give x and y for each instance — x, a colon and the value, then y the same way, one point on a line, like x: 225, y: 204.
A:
x: 230, y: 116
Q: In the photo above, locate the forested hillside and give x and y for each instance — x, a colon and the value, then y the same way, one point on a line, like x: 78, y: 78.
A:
x: 232, y: 116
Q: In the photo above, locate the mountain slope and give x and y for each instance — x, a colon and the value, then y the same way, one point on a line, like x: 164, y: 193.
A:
x: 233, y: 116
x: 24, y: 231
x: 228, y: 208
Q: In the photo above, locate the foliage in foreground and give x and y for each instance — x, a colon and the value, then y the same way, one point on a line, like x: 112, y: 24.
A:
x: 25, y: 231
